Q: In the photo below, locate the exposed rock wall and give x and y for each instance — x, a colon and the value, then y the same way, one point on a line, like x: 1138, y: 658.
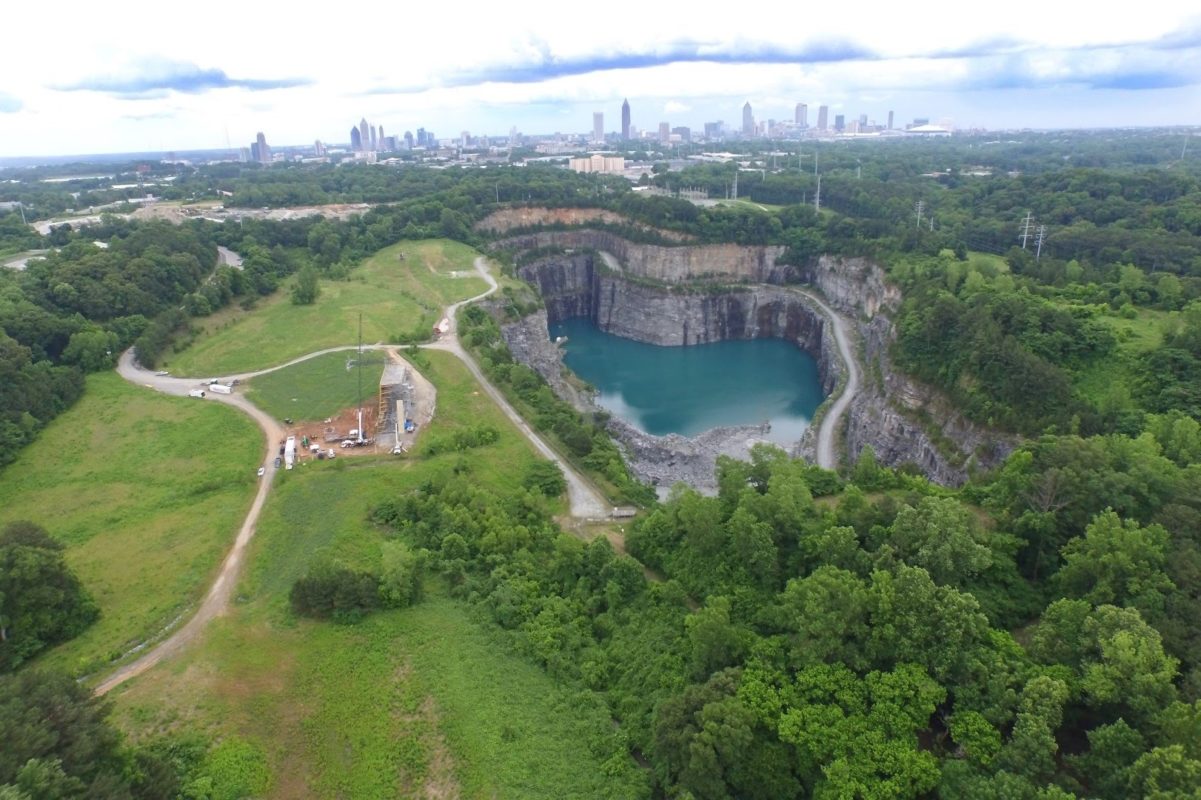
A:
x: 574, y: 287
x: 708, y: 262
x: 508, y: 219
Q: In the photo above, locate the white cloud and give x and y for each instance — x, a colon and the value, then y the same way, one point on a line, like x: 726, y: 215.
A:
x: 1018, y: 46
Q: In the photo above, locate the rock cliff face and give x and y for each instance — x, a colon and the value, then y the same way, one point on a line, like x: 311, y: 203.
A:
x: 575, y: 287
x: 723, y: 263
x: 902, y: 420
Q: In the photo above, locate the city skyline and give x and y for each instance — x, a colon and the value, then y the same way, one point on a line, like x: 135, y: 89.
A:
x: 1025, y: 65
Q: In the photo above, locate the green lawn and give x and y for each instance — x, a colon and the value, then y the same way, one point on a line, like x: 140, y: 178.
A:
x: 394, y: 296
x: 147, y: 492
x: 317, y: 388
x: 423, y: 701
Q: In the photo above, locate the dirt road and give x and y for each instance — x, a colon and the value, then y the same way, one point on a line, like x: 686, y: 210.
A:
x: 216, y: 601
x: 826, y: 456
x: 586, y: 502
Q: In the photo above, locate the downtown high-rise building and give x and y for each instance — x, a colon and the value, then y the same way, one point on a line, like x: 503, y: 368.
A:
x: 748, y: 120
x: 840, y: 122
x: 664, y: 132
x: 260, y: 151
x: 625, y: 120
x: 364, y: 134
x: 381, y: 138
x: 823, y: 118
x: 356, y: 139
x: 802, y: 115
x: 889, y: 120
x: 598, y: 126
x: 374, y: 139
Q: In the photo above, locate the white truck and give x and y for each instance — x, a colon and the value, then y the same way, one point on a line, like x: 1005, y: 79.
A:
x: 196, y: 393
x: 220, y: 388
x: 290, y: 452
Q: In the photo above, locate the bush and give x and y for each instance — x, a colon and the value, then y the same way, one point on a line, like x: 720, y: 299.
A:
x: 545, y: 477
x: 338, y: 593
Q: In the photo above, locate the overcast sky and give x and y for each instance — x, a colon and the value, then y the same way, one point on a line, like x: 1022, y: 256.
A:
x: 90, y: 77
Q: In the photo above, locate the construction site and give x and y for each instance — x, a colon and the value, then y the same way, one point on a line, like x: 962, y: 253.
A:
x: 388, y: 420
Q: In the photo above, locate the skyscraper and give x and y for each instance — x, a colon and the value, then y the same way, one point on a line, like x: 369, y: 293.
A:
x: 890, y: 120
x: 840, y: 122
x: 625, y: 120
x: 823, y: 118
x: 374, y: 139
x: 664, y: 132
x: 356, y: 139
x: 382, y: 146
x: 261, y: 150
x: 802, y: 115
x: 364, y: 134
x: 598, y: 126
x: 748, y: 120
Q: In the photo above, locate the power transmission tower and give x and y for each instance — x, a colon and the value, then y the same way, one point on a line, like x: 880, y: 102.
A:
x: 1025, y: 230
x: 1038, y: 241
x: 920, y: 205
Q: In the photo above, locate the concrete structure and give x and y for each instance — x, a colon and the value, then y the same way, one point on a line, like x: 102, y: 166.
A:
x: 802, y: 115
x: 625, y: 120
x: 599, y: 163
x: 598, y: 126
x: 748, y: 120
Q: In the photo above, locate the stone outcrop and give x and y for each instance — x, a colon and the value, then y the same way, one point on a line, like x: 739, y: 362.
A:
x: 721, y: 263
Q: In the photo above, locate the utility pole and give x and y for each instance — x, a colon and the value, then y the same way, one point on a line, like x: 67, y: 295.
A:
x: 735, y: 197
x: 920, y: 205
x: 1038, y: 241
x: 1025, y: 230
x: 858, y: 170
x: 22, y: 206
x: 817, y: 196
x: 931, y: 222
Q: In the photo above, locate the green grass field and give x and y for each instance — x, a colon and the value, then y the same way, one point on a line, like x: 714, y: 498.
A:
x: 422, y: 701
x: 394, y: 296
x: 988, y: 260
x: 316, y: 388
x: 147, y: 492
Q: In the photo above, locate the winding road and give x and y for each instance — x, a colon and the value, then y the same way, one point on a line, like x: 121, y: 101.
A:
x: 585, y: 501
x: 828, y: 432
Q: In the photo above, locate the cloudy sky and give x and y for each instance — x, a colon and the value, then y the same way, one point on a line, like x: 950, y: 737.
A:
x: 85, y: 77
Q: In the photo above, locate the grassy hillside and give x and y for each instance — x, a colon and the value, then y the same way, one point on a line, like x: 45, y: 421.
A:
x: 147, y: 492
x: 400, y: 289
x: 422, y: 701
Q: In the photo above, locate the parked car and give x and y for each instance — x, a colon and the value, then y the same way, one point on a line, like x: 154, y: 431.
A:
x: 262, y: 471
x: 279, y: 462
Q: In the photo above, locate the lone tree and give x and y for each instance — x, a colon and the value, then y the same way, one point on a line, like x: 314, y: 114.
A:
x: 41, y: 601
x: 306, y: 290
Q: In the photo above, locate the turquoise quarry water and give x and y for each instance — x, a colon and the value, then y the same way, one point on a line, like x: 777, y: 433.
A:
x: 688, y: 390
